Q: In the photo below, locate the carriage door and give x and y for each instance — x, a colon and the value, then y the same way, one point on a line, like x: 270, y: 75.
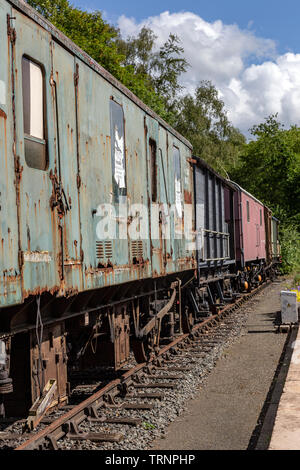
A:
x: 257, y: 239
x: 155, y: 212
x: 65, y: 78
x: 34, y: 155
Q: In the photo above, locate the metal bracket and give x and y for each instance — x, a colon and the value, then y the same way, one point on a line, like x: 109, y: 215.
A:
x: 11, y: 32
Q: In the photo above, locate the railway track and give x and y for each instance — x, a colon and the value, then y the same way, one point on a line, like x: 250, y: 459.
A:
x: 124, y: 402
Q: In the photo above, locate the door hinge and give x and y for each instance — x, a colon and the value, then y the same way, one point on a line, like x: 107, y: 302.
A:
x: 11, y: 32
x: 20, y: 259
x: 78, y: 181
x: 76, y: 76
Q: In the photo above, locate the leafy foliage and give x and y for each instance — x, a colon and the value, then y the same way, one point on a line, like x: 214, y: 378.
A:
x: 88, y: 30
x: 160, y: 69
x: 290, y: 247
x: 203, y: 120
x: 270, y: 167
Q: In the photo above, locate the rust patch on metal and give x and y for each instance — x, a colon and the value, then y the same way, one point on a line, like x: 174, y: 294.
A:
x: 56, y: 199
x: 187, y: 197
x: 11, y: 32
x: 3, y: 114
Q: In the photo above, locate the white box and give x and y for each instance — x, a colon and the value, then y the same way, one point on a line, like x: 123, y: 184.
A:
x: 289, y: 310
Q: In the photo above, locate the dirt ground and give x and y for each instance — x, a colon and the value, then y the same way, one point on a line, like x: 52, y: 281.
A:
x: 225, y: 412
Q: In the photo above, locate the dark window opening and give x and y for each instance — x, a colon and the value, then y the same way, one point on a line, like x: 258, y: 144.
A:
x: 248, y: 212
x: 118, y: 149
x: 260, y: 214
x: 153, y: 166
x: 33, y: 87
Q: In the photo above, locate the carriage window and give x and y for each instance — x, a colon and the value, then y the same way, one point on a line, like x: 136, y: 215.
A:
x: 118, y: 149
x: 33, y: 115
x: 248, y: 212
x: 177, y: 171
x: 260, y: 212
x: 153, y: 166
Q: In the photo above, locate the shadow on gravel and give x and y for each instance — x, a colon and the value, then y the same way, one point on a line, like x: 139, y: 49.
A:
x: 261, y: 436
x: 262, y: 331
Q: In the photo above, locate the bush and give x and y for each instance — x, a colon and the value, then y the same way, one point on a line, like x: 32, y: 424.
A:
x: 290, y: 248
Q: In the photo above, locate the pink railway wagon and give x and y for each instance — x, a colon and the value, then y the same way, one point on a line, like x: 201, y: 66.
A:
x: 250, y: 235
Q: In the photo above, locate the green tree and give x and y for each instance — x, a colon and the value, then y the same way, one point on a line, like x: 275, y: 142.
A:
x: 160, y: 69
x: 166, y: 67
x: 88, y: 30
x: 203, y: 120
x: 270, y: 166
x: 138, y: 51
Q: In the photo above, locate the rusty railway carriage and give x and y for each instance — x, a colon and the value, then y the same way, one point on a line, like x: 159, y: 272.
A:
x: 77, y: 148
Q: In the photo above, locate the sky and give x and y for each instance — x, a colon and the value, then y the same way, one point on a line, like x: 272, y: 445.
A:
x: 249, y: 51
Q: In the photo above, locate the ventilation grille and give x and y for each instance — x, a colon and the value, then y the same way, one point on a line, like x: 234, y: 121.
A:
x: 104, y: 250
x: 137, y: 249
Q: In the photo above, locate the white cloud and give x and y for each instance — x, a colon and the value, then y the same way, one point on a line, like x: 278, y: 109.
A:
x: 271, y: 87
x: 252, y: 79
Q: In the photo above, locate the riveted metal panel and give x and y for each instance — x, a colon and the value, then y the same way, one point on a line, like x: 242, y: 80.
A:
x: 95, y: 174
x: 63, y: 64
x: 183, y: 257
x: 97, y: 199
x: 10, y: 279
x: 155, y: 232
x: 165, y: 199
x: 137, y: 191
x: 38, y: 224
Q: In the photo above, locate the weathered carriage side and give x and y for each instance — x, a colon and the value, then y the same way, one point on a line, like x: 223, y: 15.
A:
x: 74, y: 140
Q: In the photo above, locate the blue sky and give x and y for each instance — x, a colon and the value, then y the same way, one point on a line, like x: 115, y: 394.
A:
x: 249, y: 50
x: 273, y: 19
